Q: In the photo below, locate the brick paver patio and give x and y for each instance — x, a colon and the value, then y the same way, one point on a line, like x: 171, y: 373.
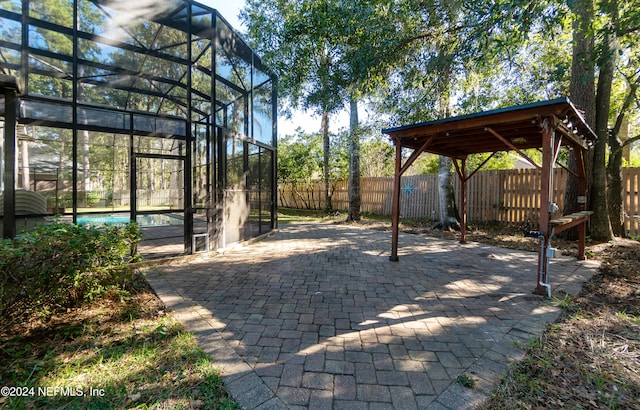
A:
x: 316, y: 316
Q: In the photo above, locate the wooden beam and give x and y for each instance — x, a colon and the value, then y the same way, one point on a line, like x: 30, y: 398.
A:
x: 458, y: 171
x: 513, y: 147
x: 463, y: 199
x: 573, y: 137
x: 395, y: 206
x: 481, y: 165
x: 556, y: 149
x: 566, y: 168
x: 545, y: 197
x: 415, y: 154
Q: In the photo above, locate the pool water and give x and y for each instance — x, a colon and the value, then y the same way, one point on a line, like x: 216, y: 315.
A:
x: 143, y: 220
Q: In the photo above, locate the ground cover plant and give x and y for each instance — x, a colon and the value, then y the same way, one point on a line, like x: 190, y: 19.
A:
x: 60, y: 265
x: 91, y: 333
x: 589, y: 358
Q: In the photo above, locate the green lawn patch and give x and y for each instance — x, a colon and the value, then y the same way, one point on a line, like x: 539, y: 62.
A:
x: 80, y: 329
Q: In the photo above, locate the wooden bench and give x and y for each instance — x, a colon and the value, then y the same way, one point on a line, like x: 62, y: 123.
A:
x: 569, y: 221
x: 578, y: 219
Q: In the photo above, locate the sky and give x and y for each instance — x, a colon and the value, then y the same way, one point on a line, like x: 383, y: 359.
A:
x: 230, y: 9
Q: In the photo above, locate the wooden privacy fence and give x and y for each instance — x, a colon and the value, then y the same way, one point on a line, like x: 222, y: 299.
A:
x: 510, y: 196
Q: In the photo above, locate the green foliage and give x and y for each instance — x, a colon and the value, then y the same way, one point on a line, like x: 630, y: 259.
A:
x: 565, y: 303
x: 466, y: 381
x: 499, y: 161
x: 634, y: 237
x: 298, y: 41
x: 339, y: 158
x: 634, y: 161
x: 299, y: 157
x: 139, y: 361
x: 60, y: 265
x: 377, y: 156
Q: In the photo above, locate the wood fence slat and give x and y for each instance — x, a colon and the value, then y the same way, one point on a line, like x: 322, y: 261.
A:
x: 511, y: 196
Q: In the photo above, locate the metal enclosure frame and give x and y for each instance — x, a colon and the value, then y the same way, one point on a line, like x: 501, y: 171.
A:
x: 173, y: 76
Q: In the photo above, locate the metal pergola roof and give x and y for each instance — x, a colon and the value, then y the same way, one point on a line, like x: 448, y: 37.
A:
x: 518, y: 127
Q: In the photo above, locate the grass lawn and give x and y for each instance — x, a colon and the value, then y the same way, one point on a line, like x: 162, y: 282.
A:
x: 122, y: 351
x: 287, y: 215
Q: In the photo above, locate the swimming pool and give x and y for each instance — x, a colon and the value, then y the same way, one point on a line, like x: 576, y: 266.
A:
x: 123, y: 219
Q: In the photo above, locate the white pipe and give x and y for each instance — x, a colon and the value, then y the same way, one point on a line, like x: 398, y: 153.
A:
x: 543, y: 256
x: 546, y: 263
x: 546, y: 285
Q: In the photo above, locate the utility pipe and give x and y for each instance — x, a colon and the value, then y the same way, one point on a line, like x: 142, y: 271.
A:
x: 542, y: 265
x: 545, y: 261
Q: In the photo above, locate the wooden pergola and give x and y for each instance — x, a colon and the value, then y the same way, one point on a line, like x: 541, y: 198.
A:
x: 545, y: 125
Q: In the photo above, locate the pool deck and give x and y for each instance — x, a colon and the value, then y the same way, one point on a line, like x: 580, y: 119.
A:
x: 316, y: 316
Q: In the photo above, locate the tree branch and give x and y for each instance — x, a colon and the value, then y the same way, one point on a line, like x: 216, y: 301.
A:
x: 628, y: 31
x: 629, y: 99
x: 625, y: 106
x: 630, y: 141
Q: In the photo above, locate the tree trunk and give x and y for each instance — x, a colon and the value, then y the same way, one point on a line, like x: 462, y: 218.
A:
x: 24, y: 158
x: 86, y: 179
x: 600, y: 224
x: 615, y: 196
x: 582, y: 94
x: 354, y: 162
x: 618, y: 139
x: 448, y: 216
x: 328, y: 206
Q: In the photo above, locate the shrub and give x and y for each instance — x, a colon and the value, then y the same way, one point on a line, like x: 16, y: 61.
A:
x: 60, y: 265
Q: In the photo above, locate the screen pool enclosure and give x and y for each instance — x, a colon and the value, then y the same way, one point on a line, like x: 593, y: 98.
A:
x: 151, y: 111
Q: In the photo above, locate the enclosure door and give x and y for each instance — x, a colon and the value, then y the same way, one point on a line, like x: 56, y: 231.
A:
x: 158, y: 204
x: 235, y: 206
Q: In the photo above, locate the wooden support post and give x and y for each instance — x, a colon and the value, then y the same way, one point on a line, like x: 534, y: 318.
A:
x: 545, y: 198
x: 582, y: 239
x: 395, y: 210
x: 582, y: 202
x: 463, y: 200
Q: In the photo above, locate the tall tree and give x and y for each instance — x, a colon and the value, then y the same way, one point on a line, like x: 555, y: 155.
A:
x: 427, y: 70
x: 604, y: 33
x: 628, y: 71
x: 296, y: 40
x: 354, y: 162
x: 600, y: 224
x: 328, y: 54
x: 619, y: 139
x: 582, y: 93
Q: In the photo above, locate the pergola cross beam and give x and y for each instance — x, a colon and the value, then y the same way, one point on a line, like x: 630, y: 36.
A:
x: 513, y: 147
x: 414, y: 155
